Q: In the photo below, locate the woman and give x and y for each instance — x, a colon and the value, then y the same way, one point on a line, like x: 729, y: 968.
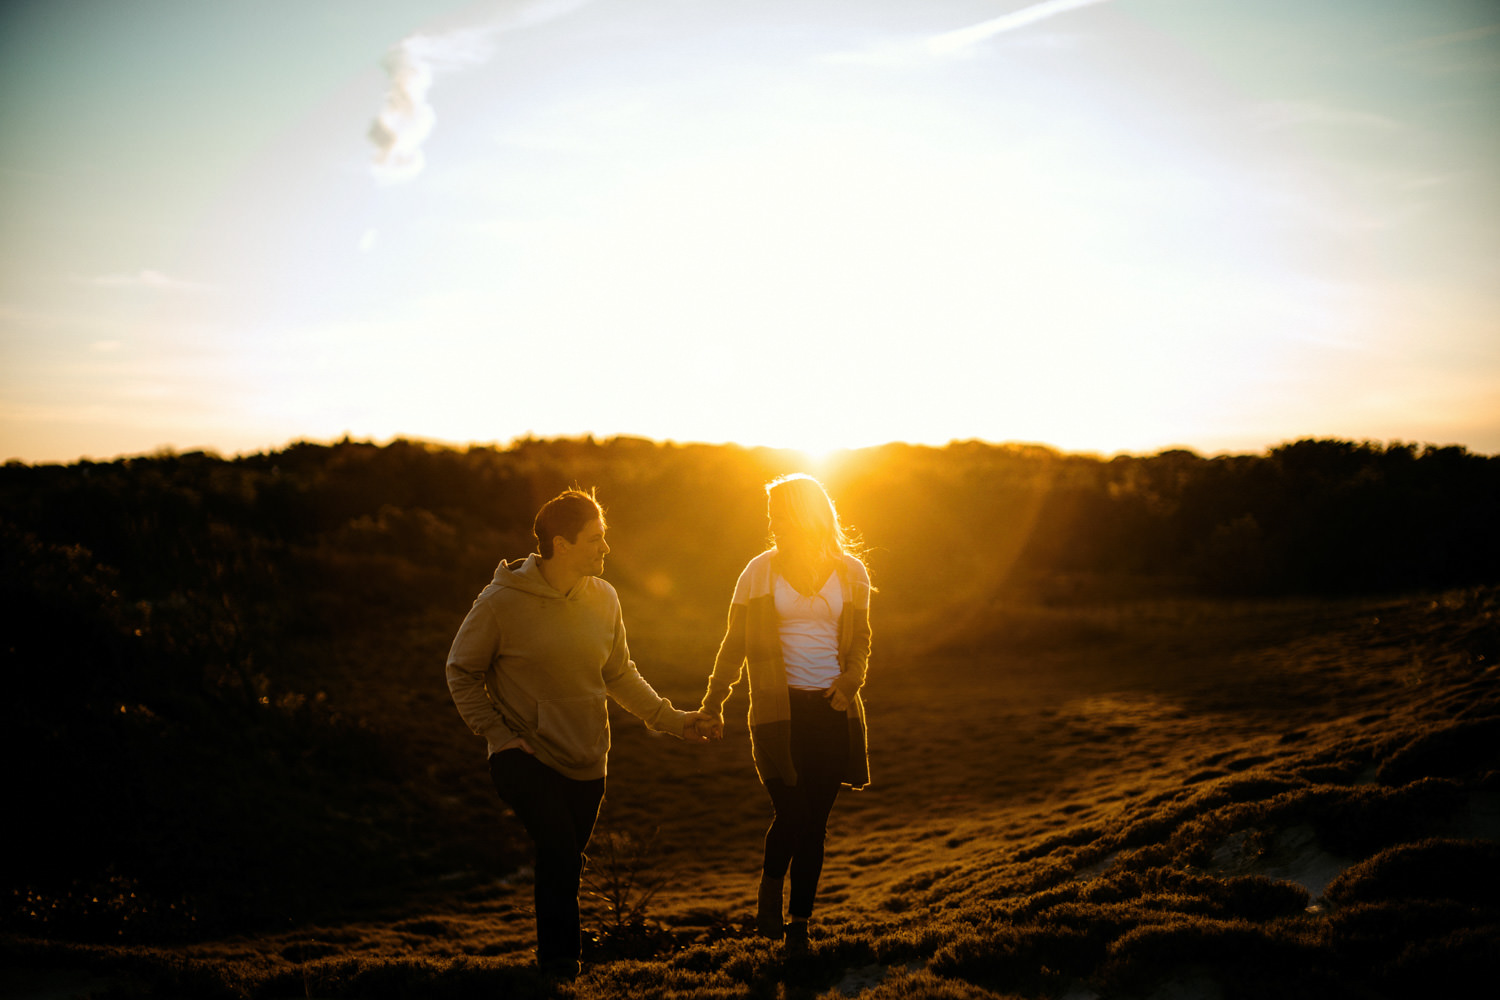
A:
x: 800, y: 621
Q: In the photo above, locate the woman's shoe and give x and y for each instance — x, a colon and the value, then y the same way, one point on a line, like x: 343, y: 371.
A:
x: 796, y: 937
x: 768, y: 909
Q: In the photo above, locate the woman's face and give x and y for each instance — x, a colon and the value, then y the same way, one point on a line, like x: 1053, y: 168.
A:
x: 781, y: 526
x: 789, y: 534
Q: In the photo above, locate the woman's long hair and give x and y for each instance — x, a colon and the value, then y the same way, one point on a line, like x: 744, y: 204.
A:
x: 813, y: 535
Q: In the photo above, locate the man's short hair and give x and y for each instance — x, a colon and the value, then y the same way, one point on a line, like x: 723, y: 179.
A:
x: 565, y: 515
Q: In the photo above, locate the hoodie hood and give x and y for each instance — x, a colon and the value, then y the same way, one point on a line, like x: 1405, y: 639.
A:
x: 526, y: 575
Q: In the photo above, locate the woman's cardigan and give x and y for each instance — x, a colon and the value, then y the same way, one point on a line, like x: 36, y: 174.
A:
x: 754, y: 640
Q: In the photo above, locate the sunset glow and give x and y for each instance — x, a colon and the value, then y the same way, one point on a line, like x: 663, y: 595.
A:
x: 1100, y: 225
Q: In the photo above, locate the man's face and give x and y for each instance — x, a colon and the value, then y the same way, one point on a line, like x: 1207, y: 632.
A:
x: 586, y: 555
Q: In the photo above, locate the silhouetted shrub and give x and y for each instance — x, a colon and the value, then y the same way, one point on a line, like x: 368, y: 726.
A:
x: 1071, y: 838
x: 1468, y: 747
x: 913, y: 943
x: 1350, y: 821
x: 1368, y: 940
x: 1362, y: 819
x: 923, y: 985
x: 1460, y: 962
x: 1246, y: 959
x: 624, y: 873
x: 1007, y: 956
x: 1434, y: 869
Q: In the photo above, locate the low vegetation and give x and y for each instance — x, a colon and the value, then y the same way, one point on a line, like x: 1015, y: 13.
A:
x: 243, y: 777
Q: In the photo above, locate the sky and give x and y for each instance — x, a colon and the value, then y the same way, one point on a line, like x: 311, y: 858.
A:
x: 1102, y: 225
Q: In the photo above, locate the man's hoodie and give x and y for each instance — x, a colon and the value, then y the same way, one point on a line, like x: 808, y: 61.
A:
x: 531, y: 661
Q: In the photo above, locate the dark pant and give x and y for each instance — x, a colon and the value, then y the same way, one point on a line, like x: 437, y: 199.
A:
x: 559, y: 814
x: 820, y: 753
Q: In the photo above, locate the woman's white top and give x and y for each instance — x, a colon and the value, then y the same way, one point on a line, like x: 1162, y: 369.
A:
x: 809, y: 629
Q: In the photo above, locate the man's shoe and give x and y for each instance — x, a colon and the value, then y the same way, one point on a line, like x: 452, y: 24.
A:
x: 768, y: 909
x: 796, y: 937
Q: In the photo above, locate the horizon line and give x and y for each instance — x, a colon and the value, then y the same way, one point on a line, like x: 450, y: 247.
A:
x: 812, y: 454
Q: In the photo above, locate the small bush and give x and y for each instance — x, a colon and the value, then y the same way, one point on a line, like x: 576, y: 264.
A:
x: 1466, y: 747
x: 1255, y: 897
x: 1016, y: 956
x: 1237, y: 951
x: 622, y: 879
x: 1465, y: 871
x: 917, y: 942
x: 1363, y: 819
x: 923, y: 985
x: 1072, y: 838
x: 1458, y: 963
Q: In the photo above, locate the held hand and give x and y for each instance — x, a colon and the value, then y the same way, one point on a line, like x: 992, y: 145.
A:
x: 698, y: 727
x: 709, y: 727
x: 837, y: 700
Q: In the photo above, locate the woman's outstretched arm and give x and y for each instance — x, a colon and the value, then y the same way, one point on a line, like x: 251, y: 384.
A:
x: 729, y: 667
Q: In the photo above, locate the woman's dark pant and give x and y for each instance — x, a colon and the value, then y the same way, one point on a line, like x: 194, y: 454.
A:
x: 820, y: 753
x: 558, y: 813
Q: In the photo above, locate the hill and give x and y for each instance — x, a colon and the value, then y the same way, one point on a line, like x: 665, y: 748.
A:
x: 245, y: 778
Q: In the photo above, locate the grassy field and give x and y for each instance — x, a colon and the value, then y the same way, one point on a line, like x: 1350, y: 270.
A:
x: 1155, y: 799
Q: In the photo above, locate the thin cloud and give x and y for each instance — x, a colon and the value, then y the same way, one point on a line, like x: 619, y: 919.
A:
x: 407, y: 117
x: 954, y: 42
x: 146, y: 278
x: 1457, y: 37
x: 951, y: 44
x: 1273, y: 115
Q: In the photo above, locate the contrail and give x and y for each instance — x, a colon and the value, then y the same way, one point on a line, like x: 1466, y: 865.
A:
x: 956, y: 41
x: 407, y: 118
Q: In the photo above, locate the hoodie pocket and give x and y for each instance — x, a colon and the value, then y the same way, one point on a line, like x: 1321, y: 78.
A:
x: 575, y: 730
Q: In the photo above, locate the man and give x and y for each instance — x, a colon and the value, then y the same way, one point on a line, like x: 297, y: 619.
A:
x: 529, y: 670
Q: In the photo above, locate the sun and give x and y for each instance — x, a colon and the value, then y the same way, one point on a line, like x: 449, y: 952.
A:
x: 822, y: 457
x: 819, y: 459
